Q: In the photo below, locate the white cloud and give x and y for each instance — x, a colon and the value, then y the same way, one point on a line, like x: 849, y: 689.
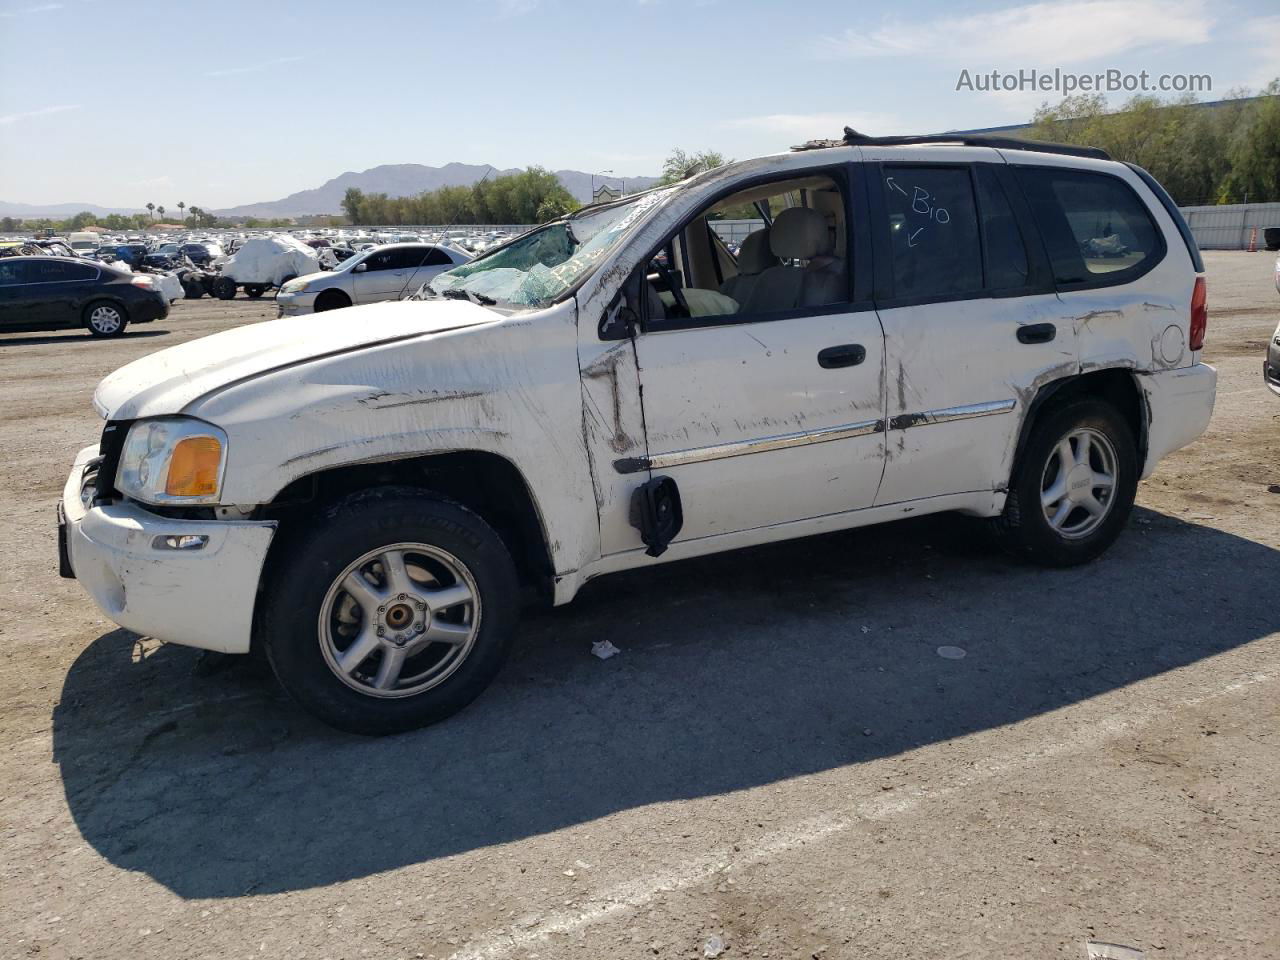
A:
x: 1053, y: 32
x: 252, y: 68
x: 814, y: 126
x: 43, y: 111
x: 1265, y: 32
x: 42, y: 8
x: 516, y: 8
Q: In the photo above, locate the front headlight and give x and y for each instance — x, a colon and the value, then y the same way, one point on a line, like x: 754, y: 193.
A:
x: 174, y: 460
x: 294, y: 286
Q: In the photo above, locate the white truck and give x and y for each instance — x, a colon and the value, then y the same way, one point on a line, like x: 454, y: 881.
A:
x: 916, y: 327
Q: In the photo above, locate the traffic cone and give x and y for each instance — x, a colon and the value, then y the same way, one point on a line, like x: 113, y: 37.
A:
x: 1253, y: 240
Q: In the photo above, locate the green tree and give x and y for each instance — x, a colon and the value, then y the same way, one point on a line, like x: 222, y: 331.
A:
x: 351, y: 201
x: 151, y: 209
x: 81, y: 220
x: 1255, y: 152
x: 681, y: 164
x: 160, y: 210
x: 182, y: 211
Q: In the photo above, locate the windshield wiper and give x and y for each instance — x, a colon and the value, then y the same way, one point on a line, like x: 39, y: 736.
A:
x: 458, y: 293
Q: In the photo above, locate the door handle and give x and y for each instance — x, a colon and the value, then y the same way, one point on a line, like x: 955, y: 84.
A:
x: 1037, y: 333
x: 844, y: 355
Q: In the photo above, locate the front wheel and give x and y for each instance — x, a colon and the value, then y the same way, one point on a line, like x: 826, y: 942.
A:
x: 1073, y: 489
x: 224, y: 288
x: 254, y: 290
x: 105, y: 319
x: 393, y: 612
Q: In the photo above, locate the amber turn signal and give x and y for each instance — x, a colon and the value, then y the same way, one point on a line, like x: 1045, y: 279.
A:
x: 193, y: 468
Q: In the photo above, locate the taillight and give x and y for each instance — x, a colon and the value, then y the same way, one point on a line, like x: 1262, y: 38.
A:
x: 142, y: 280
x: 1199, y: 314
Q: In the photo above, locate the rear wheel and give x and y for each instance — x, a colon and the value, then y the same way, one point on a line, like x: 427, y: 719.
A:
x: 1072, y: 491
x: 332, y: 300
x: 224, y: 288
x: 254, y: 291
x: 105, y: 319
x: 394, y: 611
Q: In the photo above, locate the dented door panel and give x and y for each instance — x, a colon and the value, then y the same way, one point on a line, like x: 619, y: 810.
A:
x: 960, y: 381
x: 754, y: 430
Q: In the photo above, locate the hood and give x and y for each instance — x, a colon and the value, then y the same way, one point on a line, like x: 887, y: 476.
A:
x: 168, y: 381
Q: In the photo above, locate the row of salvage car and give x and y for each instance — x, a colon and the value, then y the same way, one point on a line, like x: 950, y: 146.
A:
x: 45, y: 285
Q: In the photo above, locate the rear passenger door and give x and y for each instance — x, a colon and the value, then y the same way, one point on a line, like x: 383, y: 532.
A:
x: 971, y: 319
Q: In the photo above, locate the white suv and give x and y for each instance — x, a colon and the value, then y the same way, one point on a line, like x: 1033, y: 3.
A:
x: 915, y: 327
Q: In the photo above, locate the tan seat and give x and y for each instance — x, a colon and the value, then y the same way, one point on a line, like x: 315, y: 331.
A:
x: 754, y: 258
x: 800, y: 234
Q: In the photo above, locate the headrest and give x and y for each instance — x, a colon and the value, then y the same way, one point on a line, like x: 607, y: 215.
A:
x: 755, y: 256
x: 800, y: 233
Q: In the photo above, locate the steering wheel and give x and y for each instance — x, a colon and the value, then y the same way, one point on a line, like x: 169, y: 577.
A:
x: 674, y: 287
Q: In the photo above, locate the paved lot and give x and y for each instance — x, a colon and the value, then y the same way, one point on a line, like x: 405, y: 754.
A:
x: 779, y: 757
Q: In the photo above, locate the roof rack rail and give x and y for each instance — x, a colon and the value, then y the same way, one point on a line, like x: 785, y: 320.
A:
x: 852, y: 138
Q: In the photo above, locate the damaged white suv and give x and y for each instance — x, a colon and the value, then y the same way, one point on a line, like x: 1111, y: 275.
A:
x: 914, y: 327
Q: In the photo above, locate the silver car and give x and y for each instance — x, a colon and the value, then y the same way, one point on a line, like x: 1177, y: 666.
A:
x: 384, y: 273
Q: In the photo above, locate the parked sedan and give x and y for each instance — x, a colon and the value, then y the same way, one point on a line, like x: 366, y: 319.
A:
x: 55, y: 293
x: 383, y: 273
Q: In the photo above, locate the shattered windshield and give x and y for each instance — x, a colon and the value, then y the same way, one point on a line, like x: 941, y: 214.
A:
x: 536, y: 269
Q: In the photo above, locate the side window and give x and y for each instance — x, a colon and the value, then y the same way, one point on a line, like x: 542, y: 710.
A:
x: 1006, y: 249
x: 437, y: 258
x: 53, y: 271
x: 933, y: 231
x: 794, y: 258
x: 1095, y: 226
x: 383, y: 260
x: 13, y: 270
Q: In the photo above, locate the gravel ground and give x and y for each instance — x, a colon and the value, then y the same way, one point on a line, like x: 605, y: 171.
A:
x: 778, y: 765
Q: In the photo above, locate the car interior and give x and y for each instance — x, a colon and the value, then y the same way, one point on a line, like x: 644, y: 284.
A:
x: 797, y: 261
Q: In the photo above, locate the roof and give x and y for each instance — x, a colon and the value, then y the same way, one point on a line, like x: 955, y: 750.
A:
x: 852, y: 138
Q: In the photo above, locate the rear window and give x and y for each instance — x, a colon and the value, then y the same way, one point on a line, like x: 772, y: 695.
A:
x: 933, y: 231
x: 1097, y: 229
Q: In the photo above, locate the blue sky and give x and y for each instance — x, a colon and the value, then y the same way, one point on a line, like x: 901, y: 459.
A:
x: 232, y: 102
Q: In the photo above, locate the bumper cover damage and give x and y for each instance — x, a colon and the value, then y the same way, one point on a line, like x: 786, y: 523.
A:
x: 189, y: 582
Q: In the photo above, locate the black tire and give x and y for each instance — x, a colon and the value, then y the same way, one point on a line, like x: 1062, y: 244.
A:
x: 193, y: 289
x: 316, y: 556
x: 1271, y: 237
x: 105, y: 319
x: 332, y: 300
x: 1024, y: 529
x: 224, y: 288
x: 253, y: 291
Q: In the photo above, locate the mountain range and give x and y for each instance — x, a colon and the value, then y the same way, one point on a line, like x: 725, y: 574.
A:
x: 407, y: 179
x: 393, y: 179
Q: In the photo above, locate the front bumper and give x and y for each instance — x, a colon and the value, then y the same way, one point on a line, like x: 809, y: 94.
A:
x: 1271, y: 365
x: 296, y: 304
x: 1179, y: 403
x: 201, y: 597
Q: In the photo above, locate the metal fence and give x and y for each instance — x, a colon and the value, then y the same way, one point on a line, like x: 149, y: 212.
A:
x: 1230, y: 226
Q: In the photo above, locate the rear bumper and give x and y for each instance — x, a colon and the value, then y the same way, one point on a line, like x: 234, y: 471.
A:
x: 151, y: 307
x: 201, y: 597
x: 1179, y: 404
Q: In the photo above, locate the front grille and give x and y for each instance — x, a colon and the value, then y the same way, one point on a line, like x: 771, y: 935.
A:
x: 110, y: 448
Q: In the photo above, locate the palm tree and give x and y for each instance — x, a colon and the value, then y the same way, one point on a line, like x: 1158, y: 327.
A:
x: 181, y: 211
x: 151, y: 209
x: 160, y: 210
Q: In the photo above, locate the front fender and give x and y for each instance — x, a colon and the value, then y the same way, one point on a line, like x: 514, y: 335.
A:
x: 509, y: 388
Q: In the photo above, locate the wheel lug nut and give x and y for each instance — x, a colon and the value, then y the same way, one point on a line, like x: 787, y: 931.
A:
x: 382, y: 609
x: 381, y: 631
x: 401, y: 596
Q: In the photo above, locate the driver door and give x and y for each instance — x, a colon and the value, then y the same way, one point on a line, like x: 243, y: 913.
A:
x: 772, y: 413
